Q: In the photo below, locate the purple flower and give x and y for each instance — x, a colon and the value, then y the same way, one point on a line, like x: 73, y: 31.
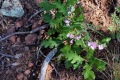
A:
x: 71, y: 41
x: 101, y: 47
x: 77, y: 37
x: 92, y: 45
x: 67, y: 22
x: 70, y: 35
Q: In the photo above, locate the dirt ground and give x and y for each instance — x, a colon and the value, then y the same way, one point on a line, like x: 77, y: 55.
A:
x: 21, y: 60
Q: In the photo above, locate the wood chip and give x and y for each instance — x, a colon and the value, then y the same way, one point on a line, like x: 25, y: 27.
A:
x: 35, y: 25
x: 30, y: 39
x: 20, y: 76
x: 11, y: 29
x: 19, y: 24
x: 30, y: 64
x: 12, y: 39
x: 27, y: 72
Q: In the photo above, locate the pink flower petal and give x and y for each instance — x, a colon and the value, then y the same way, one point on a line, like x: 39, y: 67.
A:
x: 101, y: 47
x: 67, y: 21
x: 71, y: 41
x: 92, y: 45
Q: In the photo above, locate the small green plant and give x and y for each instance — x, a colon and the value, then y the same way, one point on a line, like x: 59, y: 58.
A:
x: 115, y: 33
x: 68, y: 32
x: 115, y: 27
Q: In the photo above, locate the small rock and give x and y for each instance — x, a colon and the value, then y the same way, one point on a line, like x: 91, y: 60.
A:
x: 27, y: 72
x: 20, y: 76
x: 12, y: 39
x: 18, y: 40
x: 27, y: 48
x: 12, y: 8
x: 35, y: 25
x: 17, y: 56
x: 11, y: 29
x: 28, y: 6
x: 30, y: 64
x: 30, y: 39
x: 19, y: 24
x: 8, y: 59
x: 15, y: 64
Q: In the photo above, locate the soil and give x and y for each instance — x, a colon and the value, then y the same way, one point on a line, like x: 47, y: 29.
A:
x: 22, y: 62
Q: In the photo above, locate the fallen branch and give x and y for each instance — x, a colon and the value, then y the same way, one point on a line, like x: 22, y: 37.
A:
x: 45, y: 63
x: 28, y: 32
x: 50, y: 62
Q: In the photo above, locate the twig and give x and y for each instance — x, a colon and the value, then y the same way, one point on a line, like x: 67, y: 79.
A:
x: 45, y: 63
x: 6, y: 55
x: 28, y: 25
x: 57, y: 73
x: 28, y: 32
x: 41, y: 51
x: 35, y: 14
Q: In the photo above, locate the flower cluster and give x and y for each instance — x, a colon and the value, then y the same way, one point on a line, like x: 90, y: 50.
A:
x: 94, y: 45
x: 72, y: 37
x: 67, y: 22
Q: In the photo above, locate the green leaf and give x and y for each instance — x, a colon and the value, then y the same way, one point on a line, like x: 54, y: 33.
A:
x: 59, y: 6
x: 75, y: 66
x: 77, y: 49
x: 65, y: 49
x: 98, y: 64
x: 56, y: 22
x: 70, y: 2
x: 45, y: 5
x: 51, y: 31
x: 117, y: 9
x: 87, y: 72
x: 90, y: 53
x: 47, y: 17
x: 112, y: 28
x: 80, y: 18
x: 118, y: 36
x: 68, y: 64
x: 62, y: 36
x: 81, y: 43
x: 71, y: 56
x: 75, y: 59
x: 49, y: 43
x: 86, y: 37
x: 78, y: 11
x: 106, y: 40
